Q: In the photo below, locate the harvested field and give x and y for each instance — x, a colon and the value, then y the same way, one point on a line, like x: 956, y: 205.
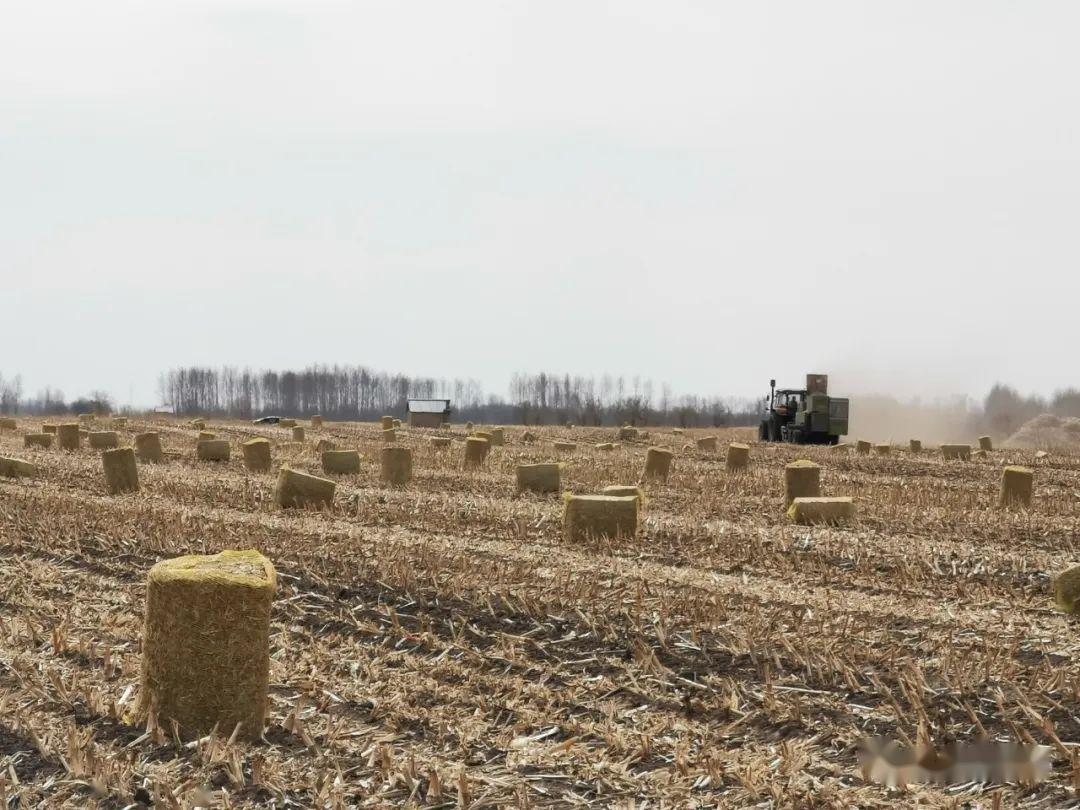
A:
x: 442, y: 645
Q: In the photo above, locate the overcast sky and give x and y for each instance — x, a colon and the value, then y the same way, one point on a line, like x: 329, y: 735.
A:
x: 706, y: 193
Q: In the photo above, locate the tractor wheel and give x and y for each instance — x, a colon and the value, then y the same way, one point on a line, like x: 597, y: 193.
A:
x: 763, y: 431
x: 774, y: 432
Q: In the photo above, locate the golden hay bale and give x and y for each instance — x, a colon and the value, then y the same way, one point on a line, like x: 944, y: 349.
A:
x: 802, y: 479
x: 17, y: 468
x: 198, y: 424
x: 86, y: 418
x: 441, y: 442
x: 986, y: 443
x: 468, y: 426
x: 256, y: 455
x: 298, y: 434
x: 862, y: 447
x: 287, y: 423
x: 914, y: 446
x: 7, y: 423
x: 538, y: 477
x: 678, y: 431
x: 119, y: 422
x: 587, y: 516
x: 498, y: 437
x: 528, y: 437
x: 341, y: 462
x: 316, y: 421
x: 707, y: 443
x: 387, y: 422
x: 396, y: 465
x: 213, y: 450
x: 206, y: 643
x: 626, y: 433
x: 565, y: 447
x: 69, y: 436
x: 658, y: 463
x: 43, y: 440
x: 397, y: 423
x: 389, y: 435
x: 121, y: 474
x: 840, y: 448
x: 624, y: 491
x: 483, y: 434
x: 821, y: 510
x: 738, y: 456
x: 323, y: 445
x: 47, y: 428
x: 605, y: 446
x: 980, y: 453
x: 148, y: 447
x: 104, y: 439
x: 1017, y: 484
x: 298, y: 489
x: 961, y: 452
x: 883, y: 449
x: 1067, y: 589
x: 205, y: 436
x: 476, y: 450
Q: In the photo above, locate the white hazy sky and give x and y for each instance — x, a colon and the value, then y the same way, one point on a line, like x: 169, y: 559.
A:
x: 706, y: 193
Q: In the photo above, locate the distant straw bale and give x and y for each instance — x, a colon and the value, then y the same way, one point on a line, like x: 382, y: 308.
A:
x: 86, y: 418
x: 476, y: 450
x: 914, y: 446
x: 205, y: 436
x: 441, y: 442
x: 396, y: 465
x: 802, y: 479
x: 104, y: 439
x: 316, y: 421
x: 48, y: 428
x: 120, y: 422
x: 287, y: 423
x: 528, y: 437
x: 961, y: 452
x: 986, y: 443
x: 121, y: 474
x: 707, y: 443
x: 658, y: 463
x: 883, y: 449
x: 16, y: 468
x: 296, y: 489
x: 389, y: 436
x: 863, y: 447
x: 387, y: 422
x: 206, y: 643
x: 298, y: 434
x: 498, y: 437
x: 468, y: 426
x: 256, y: 455
x: 1017, y: 484
x: 43, y: 440
x: 540, y: 478
x: 565, y: 447
x: 594, y: 516
x: 1067, y: 589
x: 68, y: 436
x: 840, y: 448
x: 627, y: 434
x: 213, y: 450
x: 341, y: 462
x: 678, y: 431
x: 484, y: 434
x: 821, y: 510
x: 605, y: 446
x: 198, y: 424
x: 738, y: 456
x: 980, y: 453
x: 625, y: 491
x: 7, y: 423
x: 397, y: 423
x: 323, y: 445
x: 148, y: 447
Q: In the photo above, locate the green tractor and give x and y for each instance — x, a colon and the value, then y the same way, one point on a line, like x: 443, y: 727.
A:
x: 804, y: 415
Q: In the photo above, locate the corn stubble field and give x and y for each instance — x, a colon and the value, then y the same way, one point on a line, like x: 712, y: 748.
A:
x: 442, y: 645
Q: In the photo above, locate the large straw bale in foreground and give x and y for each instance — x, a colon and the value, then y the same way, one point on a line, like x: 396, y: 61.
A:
x: 658, y: 463
x: 298, y: 434
x: 104, y: 439
x: 396, y: 465
x: 1067, y: 589
x: 341, y: 462
x: 863, y: 447
x: 961, y: 452
x: 821, y: 510
x: 256, y: 455
x: 738, y: 456
x: 1017, y: 484
x: 625, y: 491
x: 121, y: 474
x: 43, y: 440
x: 148, y: 447
x: 498, y: 437
x: 69, y: 436
x: 914, y: 446
x: 707, y: 443
x: 476, y: 450
x: 7, y: 423
x: 213, y: 450
x: 986, y: 443
x: 206, y: 643
x: 296, y: 489
x: 588, y: 516
x: 802, y: 479
x: 538, y: 478
x: 16, y: 468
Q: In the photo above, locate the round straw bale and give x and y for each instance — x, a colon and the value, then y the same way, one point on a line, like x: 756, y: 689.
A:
x: 148, y: 447
x: 16, y: 468
x: 206, y: 643
x: 205, y: 436
x: 565, y: 447
x: 538, y: 477
x: 658, y: 463
x: 738, y: 456
x: 590, y: 516
x: 298, y: 434
x: 476, y: 450
x: 104, y: 439
x: 396, y: 465
x: 883, y: 449
x: 707, y: 443
x: 960, y: 452
x: 624, y: 491
x: 256, y: 455
x: 121, y: 474
x: 387, y: 422
x: 1067, y: 589
x: 213, y: 450
x: 7, y: 423
x: 802, y: 479
x: 1016, y: 486
x: 605, y: 446
x: 300, y: 490
x: 914, y: 447
x: 862, y: 447
x: 44, y: 440
x: 440, y: 442
x: 986, y: 443
x: 47, y: 428
x: 341, y: 462
x: 389, y: 436
x: 498, y: 437
x: 316, y: 421
x: 68, y: 436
